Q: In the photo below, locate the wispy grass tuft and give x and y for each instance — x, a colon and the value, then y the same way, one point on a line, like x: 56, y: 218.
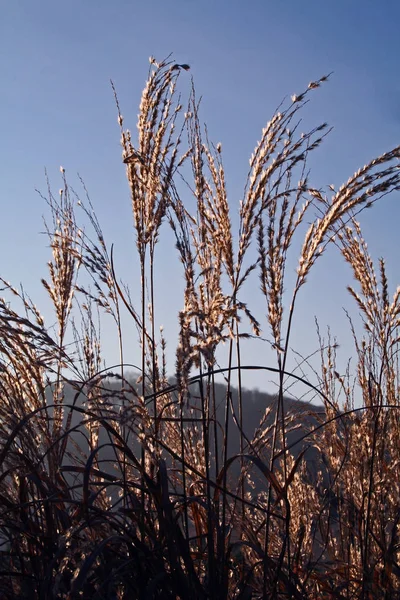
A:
x: 154, y: 487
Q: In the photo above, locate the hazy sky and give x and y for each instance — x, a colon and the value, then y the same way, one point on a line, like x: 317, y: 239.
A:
x: 57, y: 108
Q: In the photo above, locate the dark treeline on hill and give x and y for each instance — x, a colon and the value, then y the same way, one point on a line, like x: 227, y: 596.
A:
x: 257, y: 422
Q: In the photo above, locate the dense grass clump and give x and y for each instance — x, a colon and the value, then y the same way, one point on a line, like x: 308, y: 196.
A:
x: 155, y: 488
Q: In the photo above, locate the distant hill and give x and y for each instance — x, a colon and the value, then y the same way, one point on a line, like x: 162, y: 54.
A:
x: 255, y: 404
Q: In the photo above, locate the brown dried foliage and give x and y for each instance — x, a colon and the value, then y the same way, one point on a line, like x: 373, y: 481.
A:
x: 130, y: 490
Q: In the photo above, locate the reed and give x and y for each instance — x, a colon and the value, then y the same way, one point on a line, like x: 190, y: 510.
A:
x: 114, y: 488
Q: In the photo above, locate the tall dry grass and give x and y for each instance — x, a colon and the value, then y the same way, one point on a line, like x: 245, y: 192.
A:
x: 129, y: 490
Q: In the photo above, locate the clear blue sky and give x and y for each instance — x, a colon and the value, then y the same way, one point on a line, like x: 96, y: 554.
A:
x: 57, y: 108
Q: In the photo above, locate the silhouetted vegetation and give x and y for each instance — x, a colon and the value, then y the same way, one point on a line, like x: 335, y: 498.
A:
x: 121, y: 487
